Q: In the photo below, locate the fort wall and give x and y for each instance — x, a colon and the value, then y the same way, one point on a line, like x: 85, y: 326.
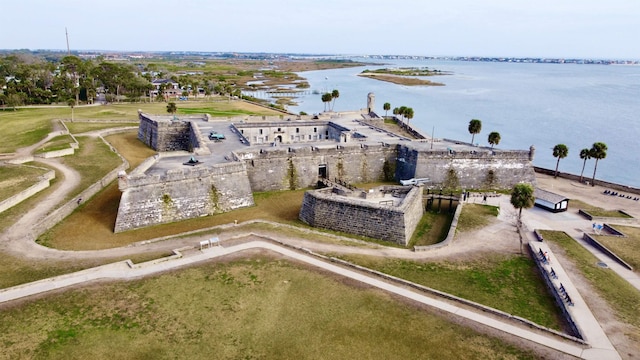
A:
x: 483, y: 168
x: 284, y: 168
x: 326, y: 209
x: 182, y: 194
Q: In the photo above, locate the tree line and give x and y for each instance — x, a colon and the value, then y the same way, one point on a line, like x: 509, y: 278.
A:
x: 26, y: 79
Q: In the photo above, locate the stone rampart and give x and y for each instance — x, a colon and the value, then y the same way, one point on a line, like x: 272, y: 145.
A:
x: 475, y: 169
x: 325, y: 209
x: 166, y: 134
x: 284, y: 168
x: 182, y: 194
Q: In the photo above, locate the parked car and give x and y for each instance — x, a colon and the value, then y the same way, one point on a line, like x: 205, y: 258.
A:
x: 216, y: 136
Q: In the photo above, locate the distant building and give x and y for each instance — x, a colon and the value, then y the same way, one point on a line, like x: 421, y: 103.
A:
x: 171, y: 89
x: 550, y: 201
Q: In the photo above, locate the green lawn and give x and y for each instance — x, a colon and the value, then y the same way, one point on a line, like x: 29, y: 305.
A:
x: 627, y: 248
x: 27, y: 126
x: 81, y: 127
x: 258, y: 308
x: 16, y: 178
x: 624, y: 298
x: 57, y: 143
x: 508, y: 283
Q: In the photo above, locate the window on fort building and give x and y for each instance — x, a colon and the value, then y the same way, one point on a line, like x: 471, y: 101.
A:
x: 291, y: 137
x: 260, y: 131
x: 279, y: 130
x: 242, y: 131
x: 266, y: 138
x: 297, y: 130
x: 327, y: 133
x: 309, y: 137
x: 315, y: 129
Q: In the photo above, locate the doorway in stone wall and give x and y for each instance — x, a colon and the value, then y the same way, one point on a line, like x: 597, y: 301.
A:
x: 279, y: 139
x: 322, y: 171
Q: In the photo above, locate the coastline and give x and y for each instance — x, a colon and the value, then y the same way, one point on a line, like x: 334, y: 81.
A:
x: 400, y: 80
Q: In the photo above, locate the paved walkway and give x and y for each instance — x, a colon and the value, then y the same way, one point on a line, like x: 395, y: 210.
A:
x: 122, y: 270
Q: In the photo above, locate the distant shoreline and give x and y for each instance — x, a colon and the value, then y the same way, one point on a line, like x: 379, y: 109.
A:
x: 400, y: 80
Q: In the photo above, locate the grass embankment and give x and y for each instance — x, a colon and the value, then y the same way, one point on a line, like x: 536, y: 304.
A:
x: 16, y: 178
x: 434, y: 226
x: 82, y: 127
x: 508, y: 283
x: 627, y: 248
x: 27, y: 126
x: 254, y: 308
x: 475, y: 216
x: 624, y: 298
x: 57, y: 143
x: 595, y: 211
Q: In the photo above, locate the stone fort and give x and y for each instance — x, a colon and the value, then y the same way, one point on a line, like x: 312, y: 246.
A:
x: 193, y: 176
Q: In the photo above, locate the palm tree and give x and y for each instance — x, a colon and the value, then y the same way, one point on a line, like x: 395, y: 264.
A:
x: 401, y: 111
x: 494, y: 138
x: 560, y: 151
x: 585, y: 154
x: 172, y: 108
x: 396, y: 111
x: 598, y: 151
x: 386, y: 107
x: 72, y: 104
x: 521, y: 197
x: 326, y: 98
x: 475, y: 126
x: 334, y: 95
x: 408, y: 113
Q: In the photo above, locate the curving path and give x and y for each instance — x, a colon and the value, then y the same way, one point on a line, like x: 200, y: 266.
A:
x: 17, y: 239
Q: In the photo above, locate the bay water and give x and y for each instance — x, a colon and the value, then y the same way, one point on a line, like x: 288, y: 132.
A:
x: 527, y: 103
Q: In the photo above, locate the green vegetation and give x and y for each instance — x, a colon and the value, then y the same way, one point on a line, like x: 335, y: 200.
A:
x: 15, y: 178
x: 596, y: 211
x: 246, y: 309
x: 625, y: 247
x: 434, y: 226
x: 82, y: 127
x: 57, y: 143
x: 93, y: 160
x: 476, y: 216
x: 622, y: 296
x: 508, y: 283
x: 406, y: 71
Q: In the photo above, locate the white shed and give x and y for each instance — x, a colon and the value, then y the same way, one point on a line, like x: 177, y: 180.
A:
x: 550, y: 201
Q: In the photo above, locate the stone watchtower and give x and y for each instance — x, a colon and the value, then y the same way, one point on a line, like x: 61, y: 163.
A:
x: 371, y: 102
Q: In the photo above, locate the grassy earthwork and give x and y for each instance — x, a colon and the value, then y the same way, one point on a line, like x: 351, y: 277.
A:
x: 627, y: 248
x: 259, y: 307
x: 621, y: 295
x: 16, y: 178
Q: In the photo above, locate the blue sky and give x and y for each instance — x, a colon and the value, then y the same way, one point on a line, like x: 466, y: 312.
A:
x: 519, y: 28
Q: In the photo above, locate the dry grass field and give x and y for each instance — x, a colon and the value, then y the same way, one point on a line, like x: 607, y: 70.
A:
x: 16, y: 178
x: 256, y: 308
x: 628, y: 248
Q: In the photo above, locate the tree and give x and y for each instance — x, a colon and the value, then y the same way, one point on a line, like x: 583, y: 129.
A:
x: 72, y: 103
x: 401, y: 111
x: 560, y: 151
x: 396, y: 111
x: 494, y: 138
x: 521, y: 197
x: 598, y: 151
x: 334, y: 95
x: 585, y: 154
x: 326, y: 98
x: 408, y: 113
x: 172, y: 108
x: 386, y: 107
x: 475, y: 126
